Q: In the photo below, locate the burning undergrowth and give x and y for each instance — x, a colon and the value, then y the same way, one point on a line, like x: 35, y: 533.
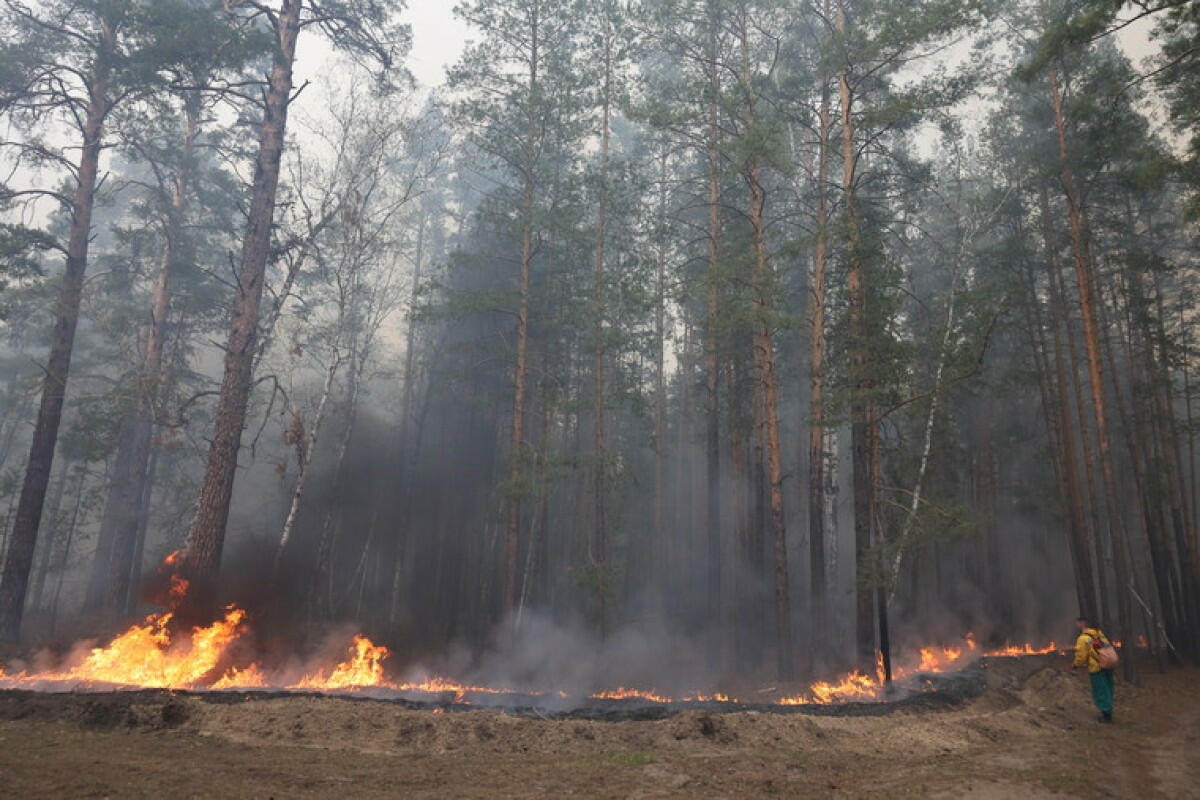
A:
x: 540, y: 670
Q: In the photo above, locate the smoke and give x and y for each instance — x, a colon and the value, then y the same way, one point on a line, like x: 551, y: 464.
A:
x: 543, y: 655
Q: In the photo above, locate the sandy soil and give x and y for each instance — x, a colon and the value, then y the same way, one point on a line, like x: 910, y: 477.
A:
x: 1029, y: 736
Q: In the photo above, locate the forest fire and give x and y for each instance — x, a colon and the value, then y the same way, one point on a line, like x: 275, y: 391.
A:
x: 151, y: 655
x: 148, y: 655
x: 156, y: 655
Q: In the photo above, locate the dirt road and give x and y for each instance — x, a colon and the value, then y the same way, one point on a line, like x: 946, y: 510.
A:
x: 1027, y: 736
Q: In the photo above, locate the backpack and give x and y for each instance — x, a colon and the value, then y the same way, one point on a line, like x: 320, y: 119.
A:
x: 1106, y: 654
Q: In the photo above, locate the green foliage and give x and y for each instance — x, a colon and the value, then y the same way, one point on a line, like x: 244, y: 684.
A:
x: 1071, y: 26
x: 20, y: 251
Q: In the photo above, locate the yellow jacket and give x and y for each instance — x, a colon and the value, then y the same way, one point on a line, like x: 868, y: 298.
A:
x: 1085, y: 654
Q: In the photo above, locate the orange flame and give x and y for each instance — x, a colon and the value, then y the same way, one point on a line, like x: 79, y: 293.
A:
x: 935, y: 659
x: 251, y: 677
x: 148, y: 655
x: 1023, y: 650
x: 364, y: 668
x: 624, y: 693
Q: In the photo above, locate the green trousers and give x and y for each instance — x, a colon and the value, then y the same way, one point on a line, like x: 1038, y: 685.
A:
x: 1102, y: 690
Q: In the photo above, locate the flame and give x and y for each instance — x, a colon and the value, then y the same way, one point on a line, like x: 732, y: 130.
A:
x: 1023, y: 650
x: 179, y: 588
x: 363, y: 668
x: 155, y: 655
x: 852, y: 687
x: 934, y: 659
x: 624, y: 693
x: 149, y: 655
x: 858, y: 687
x: 250, y: 677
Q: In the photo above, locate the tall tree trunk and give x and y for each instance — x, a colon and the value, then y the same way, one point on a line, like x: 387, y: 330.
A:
x: 406, y: 456
x: 747, y: 636
x: 862, y: 423
x: 306, y: 446
x: 678, y: 549
x: 758, y: 482
x: 599, y: 467
x: 22, y: 540
x: 1057, y: 421
x: 1181, y: 515
x: 143, y: 524
x: 64, y: 560
x: 543, y: 577
x: 1146, y: 471
x: 325, y: 566
x: 935, y: 395
x: 1190, y: 426
x: 765, y: 361
x: 658, y: 551
x: 816, y: 421
x: 130, y: 487
x: 1101, y: 545
x: 206, y: 536
x: 1168, y: 499
x: 1083, y: 271
x: 711, y: 334
x: 46, y: 542
x: 1077, y: 531
x: 100, y: 574
x: 516, y: 443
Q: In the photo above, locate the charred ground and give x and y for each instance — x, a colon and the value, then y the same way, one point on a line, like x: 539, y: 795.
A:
x: 1029, y: 731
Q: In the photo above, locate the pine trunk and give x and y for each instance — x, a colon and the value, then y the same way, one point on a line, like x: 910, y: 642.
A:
x: 600, y: 530
x: 131, y: 486
x: 861, y: 414
x: 711, y: 356
x: 658, y: 550
x: 512, y: 498
x: 1084, y: 276
x: 1077, y: 531
x: 765, y: 362
x: 22, y: 539
x: 206, y: 537
x: 816, y: 422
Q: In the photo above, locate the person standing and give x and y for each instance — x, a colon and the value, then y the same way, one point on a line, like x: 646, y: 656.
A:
x: 1090, y: 639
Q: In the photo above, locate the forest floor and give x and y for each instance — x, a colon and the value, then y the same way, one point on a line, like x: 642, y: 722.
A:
x: 1031, y: 734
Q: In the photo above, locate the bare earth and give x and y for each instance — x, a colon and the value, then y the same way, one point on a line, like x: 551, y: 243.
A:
x: 1027, y: 736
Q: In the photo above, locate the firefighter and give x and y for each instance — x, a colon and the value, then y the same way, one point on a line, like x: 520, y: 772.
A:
x: 1090, y: 638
